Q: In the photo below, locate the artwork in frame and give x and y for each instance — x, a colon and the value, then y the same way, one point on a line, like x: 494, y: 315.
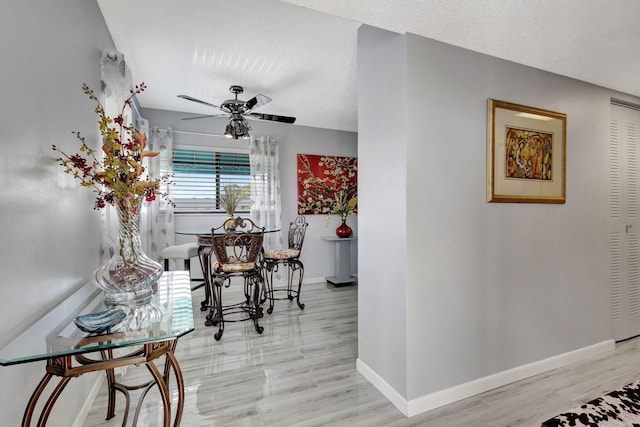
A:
x: 324, y: 182
x: 526, y: 154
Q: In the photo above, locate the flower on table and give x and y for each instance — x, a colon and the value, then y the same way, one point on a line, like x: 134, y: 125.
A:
x: 119, y: 175
x: 344, y: 205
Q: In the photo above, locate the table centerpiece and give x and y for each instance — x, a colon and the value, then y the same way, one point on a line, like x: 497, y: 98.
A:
x: 118, y: 177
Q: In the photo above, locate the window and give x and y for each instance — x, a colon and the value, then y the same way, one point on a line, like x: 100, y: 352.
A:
x: 200, y: 174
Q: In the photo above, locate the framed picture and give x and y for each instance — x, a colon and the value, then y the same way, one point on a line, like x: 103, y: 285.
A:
x: 526, y: 154
x: 325, y: 180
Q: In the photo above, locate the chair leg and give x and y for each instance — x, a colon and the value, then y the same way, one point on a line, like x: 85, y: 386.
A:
x: 268, y: 286
x: 203, y: 256
x: 269, y: 291
x: 257, y: 295
x: 219, y: 316
x: 215, y: 316
x: 291, y: 269
x: 301, y: 274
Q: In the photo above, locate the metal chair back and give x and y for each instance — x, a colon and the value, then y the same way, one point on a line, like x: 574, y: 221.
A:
x: 297, y: 230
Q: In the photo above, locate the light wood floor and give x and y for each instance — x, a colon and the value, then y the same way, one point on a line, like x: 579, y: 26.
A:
x: 301, y: 372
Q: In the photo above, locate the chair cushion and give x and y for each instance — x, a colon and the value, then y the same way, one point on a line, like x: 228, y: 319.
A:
x: 234, y: 267
x: 281, y: 253
x: 185, y: 251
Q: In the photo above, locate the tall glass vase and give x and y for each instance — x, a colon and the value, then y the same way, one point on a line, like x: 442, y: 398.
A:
x: 128, y: 277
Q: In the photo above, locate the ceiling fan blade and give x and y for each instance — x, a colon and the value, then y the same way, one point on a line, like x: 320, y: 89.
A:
x: 203, y: 117
x: 272, y: 117
x: 257, y: 101
x: 190, y: 98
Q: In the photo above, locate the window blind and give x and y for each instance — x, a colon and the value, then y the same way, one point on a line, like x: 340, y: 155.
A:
x: 199, y: 177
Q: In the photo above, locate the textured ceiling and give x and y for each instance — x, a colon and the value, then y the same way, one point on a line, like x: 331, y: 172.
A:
x: 304, y: 58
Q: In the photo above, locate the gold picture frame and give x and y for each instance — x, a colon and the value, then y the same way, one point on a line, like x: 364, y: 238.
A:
x: 526, y: 154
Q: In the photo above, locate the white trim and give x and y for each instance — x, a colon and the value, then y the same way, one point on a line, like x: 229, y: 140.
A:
x: 383, y: 387
x: 81, y: 418
x: 305, y: 282
x: 314, y: 281
x: 472, y: 388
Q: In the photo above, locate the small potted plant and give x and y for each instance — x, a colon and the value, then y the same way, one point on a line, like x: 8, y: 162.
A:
x: 344, y: 206
x: 232, y: 195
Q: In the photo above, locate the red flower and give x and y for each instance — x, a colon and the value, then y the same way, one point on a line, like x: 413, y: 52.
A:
x: 140, y: 138
x: 118, y: 175
x: 100, y: 203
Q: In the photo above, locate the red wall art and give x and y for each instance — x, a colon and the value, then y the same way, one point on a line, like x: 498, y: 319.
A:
x: 325, y: 182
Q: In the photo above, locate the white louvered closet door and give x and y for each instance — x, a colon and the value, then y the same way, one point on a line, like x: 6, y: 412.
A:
x: 625, y: 221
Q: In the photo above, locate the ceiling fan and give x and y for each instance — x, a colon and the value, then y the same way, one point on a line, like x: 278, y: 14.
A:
x: 238, y: 111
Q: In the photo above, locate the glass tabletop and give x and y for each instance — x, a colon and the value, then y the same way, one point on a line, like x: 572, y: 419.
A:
x: 170, y: 316
x: 203, y: 232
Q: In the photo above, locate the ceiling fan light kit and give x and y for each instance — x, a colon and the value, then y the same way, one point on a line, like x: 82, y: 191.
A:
x: 237, y: 128
x: 238, y: 111
x: 229, y: 132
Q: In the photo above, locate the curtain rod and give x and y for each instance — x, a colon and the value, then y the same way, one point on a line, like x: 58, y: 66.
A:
x: 191, y: 133
x: 621, y: 103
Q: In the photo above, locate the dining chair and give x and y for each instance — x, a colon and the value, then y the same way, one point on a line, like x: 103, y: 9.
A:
x: 289, y: 258
x: 237, y: 250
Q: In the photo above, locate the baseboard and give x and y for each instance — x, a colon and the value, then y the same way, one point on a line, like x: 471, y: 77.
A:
x: 314, y: 281
x: 320, y: 280
x: 383, y: 387
x: 305, y: 282
x: 472, y: 388
x: 88, y: 403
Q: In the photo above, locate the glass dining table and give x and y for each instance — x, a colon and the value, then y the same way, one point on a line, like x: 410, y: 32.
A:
x: 204, y: 239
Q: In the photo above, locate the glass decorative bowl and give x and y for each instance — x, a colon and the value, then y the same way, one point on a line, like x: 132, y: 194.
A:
x: 99, y: 322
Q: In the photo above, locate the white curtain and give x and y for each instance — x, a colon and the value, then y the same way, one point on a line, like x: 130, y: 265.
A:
x: 115, y: 80
x: 264, y: 158
x: 156, y: 222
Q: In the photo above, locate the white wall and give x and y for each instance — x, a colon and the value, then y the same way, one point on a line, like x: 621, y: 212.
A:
x: 517, y: 282
x: 489, y: 287
x: 382, y: 203
x: 50, y: 233
x: 317, y: 254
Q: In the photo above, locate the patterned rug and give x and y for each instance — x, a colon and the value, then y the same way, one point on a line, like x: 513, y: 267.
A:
x: 619, y: 408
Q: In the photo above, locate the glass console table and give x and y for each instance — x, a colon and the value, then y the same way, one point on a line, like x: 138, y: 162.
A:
x: 136, y: 340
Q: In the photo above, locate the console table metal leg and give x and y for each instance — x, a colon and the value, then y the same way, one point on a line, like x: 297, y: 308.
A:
x: 46, y: 411
x: 179, y: 384
x: 62, y: 368
x: 31, y: 406
x: 164, y: 393
x: 127, y: 403
x: 111, y: 379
